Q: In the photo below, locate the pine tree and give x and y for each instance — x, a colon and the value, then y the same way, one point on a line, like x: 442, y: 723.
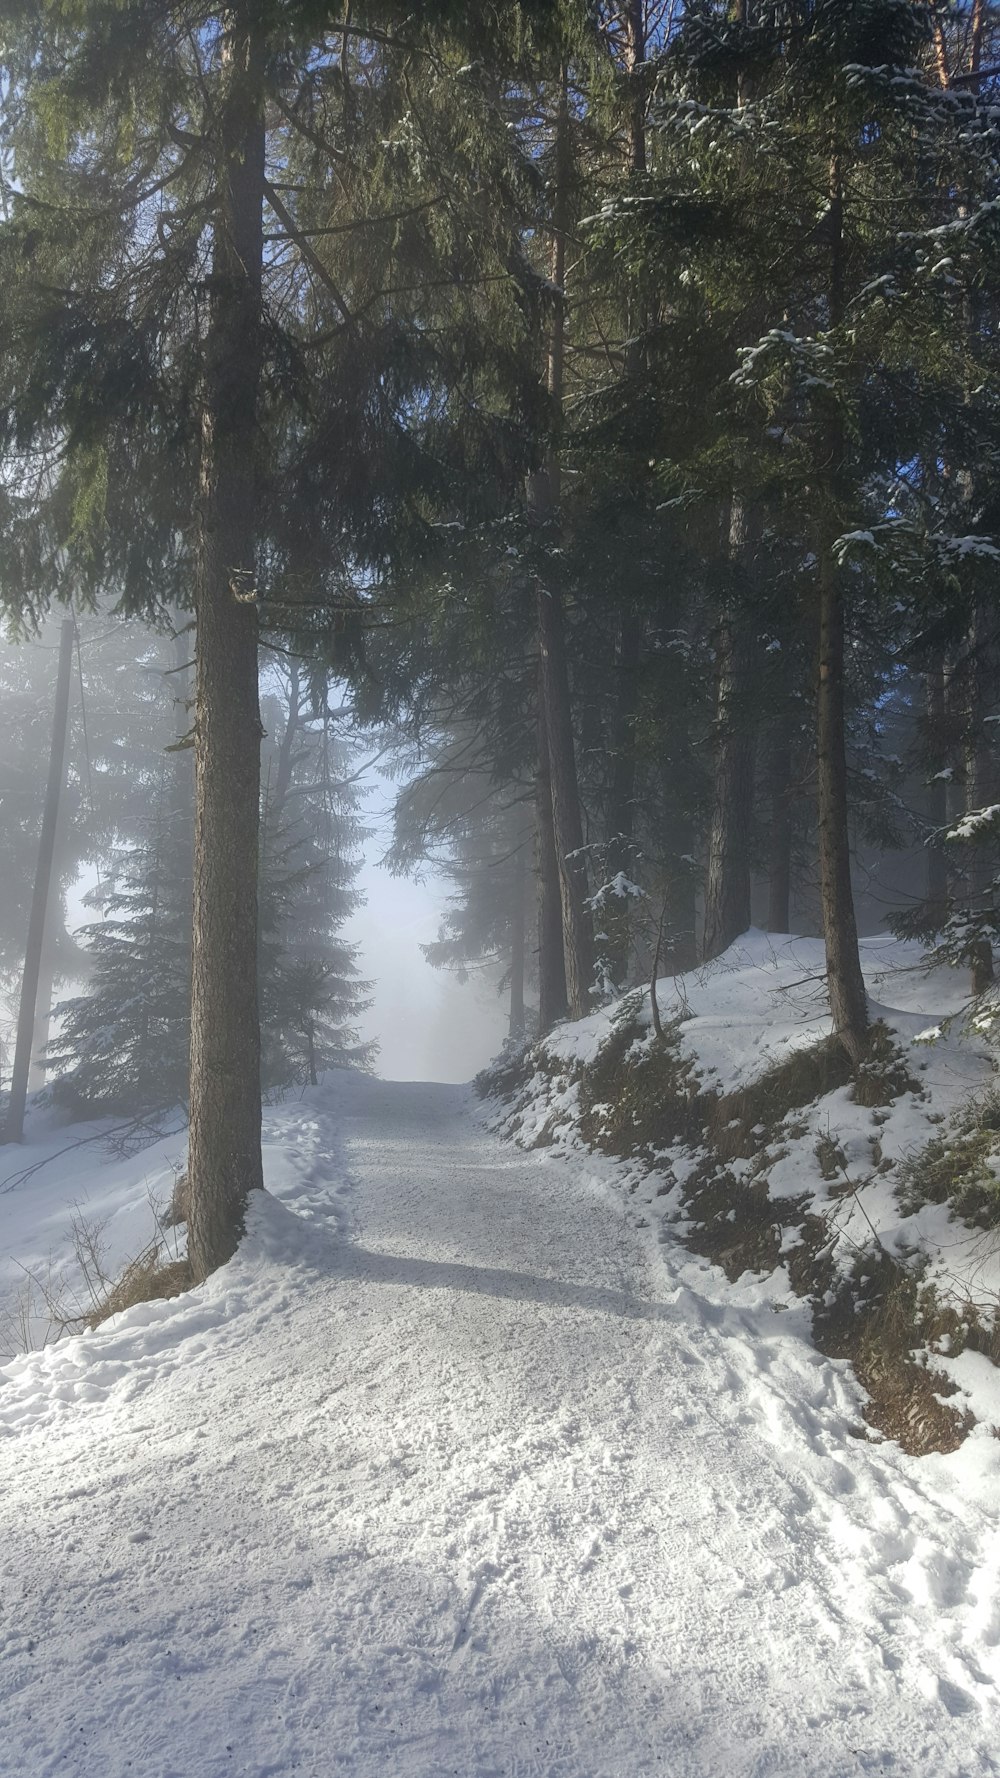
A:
x: 310, y: 990
x: 122, y: 1046
x: 275, y: 388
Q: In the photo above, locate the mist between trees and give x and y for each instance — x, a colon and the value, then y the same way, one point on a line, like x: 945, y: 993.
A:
x: 601, y: 400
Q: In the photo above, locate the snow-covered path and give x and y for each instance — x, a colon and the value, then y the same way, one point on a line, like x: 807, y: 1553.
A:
x: 453, y: 1471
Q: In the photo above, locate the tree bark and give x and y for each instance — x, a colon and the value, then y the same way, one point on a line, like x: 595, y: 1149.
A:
x: 937, y: 795
x: 551, y: 952
x: 543, y: 506
x: 848, y: 999
x: 14, y: 1128
x: 517, y: 948
x: 981, y: 788
x: 566, y: 819
x: 727, y: 890
x: 779, y: 874
x: 224, y: 1162
x: 621, y: 801
x: 38, y: 1068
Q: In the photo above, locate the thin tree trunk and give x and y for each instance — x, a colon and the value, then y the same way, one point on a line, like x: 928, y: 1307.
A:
x: 728, y: 885
x: 727, y: 890
x: 779, y: 874
x: 621, y: 802
x: 981, y: 778
x: 286, y: 749
x: 543, y: 506
x: 517, y: 948
x: 224, y: 1156
x: 848, y: 999
x: 937, y: 797
x: 635, y: 56
x: 566, y: 819
x: 14, y: 1128
x: 551, y: 952
x: 38, y: 1068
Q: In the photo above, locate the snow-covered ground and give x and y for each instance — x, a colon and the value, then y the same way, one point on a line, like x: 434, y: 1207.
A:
x: 747, y: 1013
x: 456, y: 1470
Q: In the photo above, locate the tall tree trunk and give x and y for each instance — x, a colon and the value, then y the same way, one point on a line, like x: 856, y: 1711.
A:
x: 566, y: 820
x: 14, y: 1128
x: 621, y: 801
x: 180, y: 799
x: 543, y: 506
x: 517, y: 948
x: 779, y: 873
x: 38, y: 1068
x: 551, y: 952
x: 848, y: 999
x: 635, y: 57
x: 727, y: 890
x: 224, y: 1162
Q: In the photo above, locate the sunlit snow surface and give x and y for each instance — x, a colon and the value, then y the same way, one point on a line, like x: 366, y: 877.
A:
x: 456, y: 1470
x: 749, y: 1011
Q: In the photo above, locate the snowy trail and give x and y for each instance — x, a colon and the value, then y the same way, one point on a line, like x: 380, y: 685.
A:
x: 454, y: 1471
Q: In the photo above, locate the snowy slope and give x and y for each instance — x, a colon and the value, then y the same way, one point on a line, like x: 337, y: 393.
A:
x: 454, y: 1471
x: 747, y: 1013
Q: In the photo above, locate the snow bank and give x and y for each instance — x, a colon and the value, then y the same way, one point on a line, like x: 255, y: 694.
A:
x: 744, y: 1015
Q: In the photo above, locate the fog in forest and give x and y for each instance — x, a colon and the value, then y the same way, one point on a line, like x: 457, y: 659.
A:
x: 429, y: 1025
x: 125, y: 716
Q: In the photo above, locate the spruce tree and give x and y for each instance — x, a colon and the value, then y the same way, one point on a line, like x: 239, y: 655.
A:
x: 219, y: 274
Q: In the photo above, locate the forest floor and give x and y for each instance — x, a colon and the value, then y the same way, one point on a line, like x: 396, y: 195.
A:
x: 458, y: 1468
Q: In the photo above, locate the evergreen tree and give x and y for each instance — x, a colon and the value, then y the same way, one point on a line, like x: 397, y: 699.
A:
x: 184, y: 336
x: 311, y: 835
x: 122, y: 1046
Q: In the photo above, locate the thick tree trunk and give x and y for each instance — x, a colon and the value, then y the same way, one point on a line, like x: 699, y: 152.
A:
x: 779, y: 871
x: 224, y: 1157
x: 517, y: 949
x: 14, y: 1128
x: 551, y: 952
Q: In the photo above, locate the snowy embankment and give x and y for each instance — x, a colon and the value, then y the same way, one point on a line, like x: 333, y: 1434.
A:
x: 455, y: 1469
x: 823, y: 1167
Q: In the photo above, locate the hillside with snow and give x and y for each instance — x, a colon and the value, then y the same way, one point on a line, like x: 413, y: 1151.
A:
x: 470, y: 1462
